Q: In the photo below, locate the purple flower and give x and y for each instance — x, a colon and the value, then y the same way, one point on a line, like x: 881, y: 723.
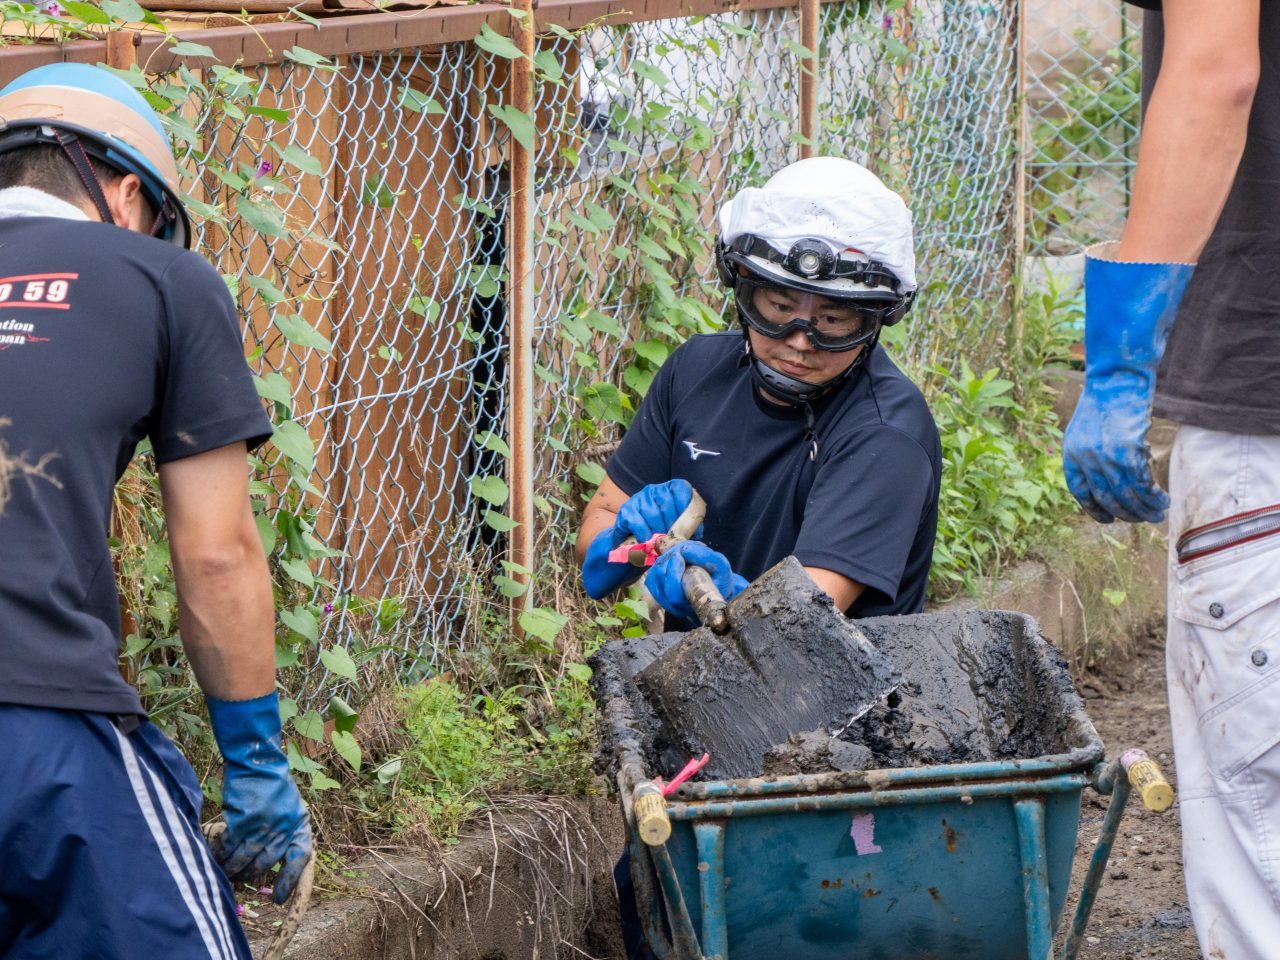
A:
x: 263, y: 169
x: 239, y: 909
x: 328, y: 608
x: 886, y: 24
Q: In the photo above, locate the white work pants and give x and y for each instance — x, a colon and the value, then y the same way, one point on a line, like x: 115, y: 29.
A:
x: 1223, y: 664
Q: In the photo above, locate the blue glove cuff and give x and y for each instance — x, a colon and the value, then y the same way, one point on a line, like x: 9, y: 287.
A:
x: 243, y: 727
x: 1130, y: 310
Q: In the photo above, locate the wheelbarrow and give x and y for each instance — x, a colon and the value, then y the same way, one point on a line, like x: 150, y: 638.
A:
x: 954, y: 861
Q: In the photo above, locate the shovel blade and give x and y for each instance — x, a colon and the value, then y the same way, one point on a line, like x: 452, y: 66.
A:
x: 790, y: 663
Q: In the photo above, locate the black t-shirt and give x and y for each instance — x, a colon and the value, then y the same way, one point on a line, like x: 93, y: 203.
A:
x: 1219, y: 367
x: 106, y: 336
x: 866, y: 508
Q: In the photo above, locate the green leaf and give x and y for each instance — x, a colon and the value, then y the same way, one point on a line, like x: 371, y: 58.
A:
x: 299, y: 571
x: 288, y: 709
x: 337, y: 661
x: 490, y: 40
x: 592, y: 473
x: 499, y: 521
x: 488, y: 440
x: 297, y: 330
x: 301, y: 160
x: 302, y: 622
x: 344, y: 718
x: 549, y: 64
x: 418, y: 102
x: 347, y: 747
x: 655, y: 351
x: 267, y: 113
x: 292, y: 439
x: 631, y: 609
x: 310, y: 725
x: 492, y: 488
x: 85, y: 12
x: 185, y: 48
x: 517, y: 121
x: 322, y: 781
x: 273, y: 386
x: 270, y: 293
x: 509, y: 586
x: 389, y: 769
x: 424, y: 307
x: 261, y: 216
x: 307, y: 58
x: 1115, y: 597
x: 579, y: 671
x: 299, y: 763
x: 543, y: 623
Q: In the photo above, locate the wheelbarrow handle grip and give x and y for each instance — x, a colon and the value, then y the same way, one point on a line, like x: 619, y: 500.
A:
x: 1147, y: 780
x: 705, y: 598
x: 650, y: 810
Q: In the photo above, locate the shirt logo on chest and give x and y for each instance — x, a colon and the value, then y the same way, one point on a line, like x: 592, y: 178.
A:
x: 696, y: 451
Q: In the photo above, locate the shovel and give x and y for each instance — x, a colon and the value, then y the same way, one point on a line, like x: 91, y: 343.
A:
x: 778, y: 660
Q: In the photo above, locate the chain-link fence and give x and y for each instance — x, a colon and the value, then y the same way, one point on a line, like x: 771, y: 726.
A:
x: 1083, y: 76
x: 386, y: 334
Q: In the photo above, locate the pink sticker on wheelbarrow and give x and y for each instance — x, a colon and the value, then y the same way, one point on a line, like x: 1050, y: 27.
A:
x: 863, y: 832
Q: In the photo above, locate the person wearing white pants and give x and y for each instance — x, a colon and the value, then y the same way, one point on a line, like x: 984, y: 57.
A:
x: 1223, y: 666
x: 1197, y: 270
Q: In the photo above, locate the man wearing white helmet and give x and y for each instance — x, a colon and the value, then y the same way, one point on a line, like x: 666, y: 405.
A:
x: 800, y: 433
x: 112, y: 331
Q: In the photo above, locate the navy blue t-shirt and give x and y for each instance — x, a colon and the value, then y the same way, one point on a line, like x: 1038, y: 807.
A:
x: 866, y: 508
x: 106, y: 336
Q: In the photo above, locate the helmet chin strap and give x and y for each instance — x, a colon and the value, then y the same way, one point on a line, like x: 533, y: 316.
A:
x: 800, y: 394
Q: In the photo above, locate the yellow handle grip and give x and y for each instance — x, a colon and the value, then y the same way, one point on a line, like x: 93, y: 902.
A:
x: 1147, y: 780
x: 650, y: 808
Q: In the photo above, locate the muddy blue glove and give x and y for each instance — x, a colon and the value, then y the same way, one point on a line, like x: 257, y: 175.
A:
x: 665, y: 574
x: 652, y: 510
x: 266, y: 821
x: 1129, y: 311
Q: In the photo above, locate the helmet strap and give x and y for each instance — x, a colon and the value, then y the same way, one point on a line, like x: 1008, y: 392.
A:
x: 79, y: 158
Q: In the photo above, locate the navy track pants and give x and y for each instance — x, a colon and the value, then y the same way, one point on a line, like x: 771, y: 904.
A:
x: 101, y: 856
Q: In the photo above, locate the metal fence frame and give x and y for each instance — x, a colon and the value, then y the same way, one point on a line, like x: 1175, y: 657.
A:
x: 969, y: 244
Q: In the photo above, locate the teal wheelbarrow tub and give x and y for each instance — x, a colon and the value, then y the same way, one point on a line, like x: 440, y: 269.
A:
x: 953, y: 861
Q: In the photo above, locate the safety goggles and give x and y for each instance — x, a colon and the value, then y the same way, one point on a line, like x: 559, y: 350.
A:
x: 834, y: 324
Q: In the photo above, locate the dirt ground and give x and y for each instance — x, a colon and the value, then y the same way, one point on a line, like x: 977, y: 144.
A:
x: 1141, y: 911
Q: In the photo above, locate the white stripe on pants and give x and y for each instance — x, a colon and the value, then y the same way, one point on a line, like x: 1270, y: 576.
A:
x: 1223, y: 664
x: 206, y: 914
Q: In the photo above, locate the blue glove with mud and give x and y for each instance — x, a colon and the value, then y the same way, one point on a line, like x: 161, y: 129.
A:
x: 652, y: 510
x: 1129, y: 311
x: 266, y: 820
x: 667, y: 570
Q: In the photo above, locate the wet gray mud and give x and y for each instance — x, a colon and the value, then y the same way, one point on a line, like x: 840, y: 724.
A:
x: 790, y: 663
x: 970, y: 686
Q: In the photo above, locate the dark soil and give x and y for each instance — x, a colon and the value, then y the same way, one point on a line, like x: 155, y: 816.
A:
x: 1141, y: 910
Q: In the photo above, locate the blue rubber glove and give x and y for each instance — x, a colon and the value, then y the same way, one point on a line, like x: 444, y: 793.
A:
x: 1129, y: 311
x: 664, y: 576
x: 266, y: 820
x: 652, y: 510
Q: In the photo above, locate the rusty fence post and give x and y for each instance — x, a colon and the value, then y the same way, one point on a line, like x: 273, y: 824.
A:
x: 520, y: 308
x: 810, y: 18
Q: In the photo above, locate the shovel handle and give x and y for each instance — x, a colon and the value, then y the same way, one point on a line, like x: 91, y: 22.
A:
x: 705, y: 598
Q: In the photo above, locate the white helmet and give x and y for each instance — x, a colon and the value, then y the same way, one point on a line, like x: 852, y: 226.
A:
x: 826, y: 225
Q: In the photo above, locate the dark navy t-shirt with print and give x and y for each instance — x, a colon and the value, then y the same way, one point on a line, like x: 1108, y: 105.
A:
x: 106, y: 337
x: 866, y: 508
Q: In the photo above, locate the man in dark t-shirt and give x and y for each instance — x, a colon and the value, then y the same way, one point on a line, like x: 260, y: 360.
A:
x: 1198, y: 264
x: 111, y: 331
x: 799, y: 432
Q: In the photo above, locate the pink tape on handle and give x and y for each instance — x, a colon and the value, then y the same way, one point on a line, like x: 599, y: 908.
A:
x: 622, y: 554
x: 690, y: 768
